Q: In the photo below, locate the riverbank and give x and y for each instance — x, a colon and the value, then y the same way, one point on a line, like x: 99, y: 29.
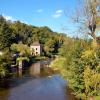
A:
x: 34, y: 59
x: 59, y: 66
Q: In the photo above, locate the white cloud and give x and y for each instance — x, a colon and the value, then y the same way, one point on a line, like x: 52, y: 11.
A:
x: 8, y: 17
x: 57, y: 14
x: 13, y: 19
x: 59, y: 11
x: 40, y: 10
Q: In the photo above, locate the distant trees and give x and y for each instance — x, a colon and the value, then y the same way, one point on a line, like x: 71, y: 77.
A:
x: 15, y: 32
x: 16, y: 37
x: 49, y: 47
x: 22, y: 32
x: 28, y: 34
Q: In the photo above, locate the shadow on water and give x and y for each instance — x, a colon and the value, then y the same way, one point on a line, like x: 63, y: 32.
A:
x: 30, y: 84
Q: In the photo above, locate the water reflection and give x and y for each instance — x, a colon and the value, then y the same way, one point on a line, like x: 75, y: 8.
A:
x: 35, y: 69
x: 20, y: 71
x: 26, y: 86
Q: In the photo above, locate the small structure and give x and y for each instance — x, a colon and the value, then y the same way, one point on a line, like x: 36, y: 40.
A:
x: 36, y: 48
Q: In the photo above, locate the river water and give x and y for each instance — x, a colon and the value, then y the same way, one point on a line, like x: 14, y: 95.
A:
x: 29, y: 85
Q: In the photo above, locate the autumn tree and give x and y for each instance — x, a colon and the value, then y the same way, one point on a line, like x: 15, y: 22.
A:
x: 87, y: 16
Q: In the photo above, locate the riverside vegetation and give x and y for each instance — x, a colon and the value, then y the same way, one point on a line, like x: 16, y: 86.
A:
x: 79, y: 64
x: 79, y: 60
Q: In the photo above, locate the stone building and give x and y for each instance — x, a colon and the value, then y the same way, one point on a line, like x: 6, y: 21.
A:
x: 36, y: 48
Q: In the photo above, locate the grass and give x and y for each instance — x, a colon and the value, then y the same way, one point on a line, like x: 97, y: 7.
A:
x: 58, y: 63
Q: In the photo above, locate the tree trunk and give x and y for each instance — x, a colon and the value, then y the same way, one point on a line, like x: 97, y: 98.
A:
x: 20, y: 64
x: 20, y: 72
x: 94, y: 41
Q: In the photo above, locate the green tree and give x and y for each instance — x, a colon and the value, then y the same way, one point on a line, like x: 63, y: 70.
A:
x: 22, y: 32
x: 22, y: 49
x: 49, y: 47
x: 24, y: 52
x: 6, y: 37
x: 5, y: 63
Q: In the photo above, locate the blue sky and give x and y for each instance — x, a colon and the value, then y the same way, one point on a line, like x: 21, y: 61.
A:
x: 39, y: 12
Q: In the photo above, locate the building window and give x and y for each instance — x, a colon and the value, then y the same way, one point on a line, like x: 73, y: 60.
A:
x: 36, y: 53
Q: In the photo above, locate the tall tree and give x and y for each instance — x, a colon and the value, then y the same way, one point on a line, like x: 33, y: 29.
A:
x: 87, y: 16
x: 6, y: 37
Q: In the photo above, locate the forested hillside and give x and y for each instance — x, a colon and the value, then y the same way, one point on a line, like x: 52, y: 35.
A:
x: 15, y: 32
x: 16, y: 38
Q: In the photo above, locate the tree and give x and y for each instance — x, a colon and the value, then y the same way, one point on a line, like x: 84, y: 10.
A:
x: 87, y: 16
x: 91, y: 79
x: 22, y: 49
x: 6, y: 37
x: 22, y: 32
x: 49, y: 47
x: 24, y: 52
x: 5, y: 63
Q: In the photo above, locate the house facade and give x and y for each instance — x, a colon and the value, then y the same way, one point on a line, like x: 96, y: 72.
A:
x: 36, y: 48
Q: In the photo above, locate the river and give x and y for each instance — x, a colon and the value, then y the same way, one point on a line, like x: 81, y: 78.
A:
x: 29, y: 85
